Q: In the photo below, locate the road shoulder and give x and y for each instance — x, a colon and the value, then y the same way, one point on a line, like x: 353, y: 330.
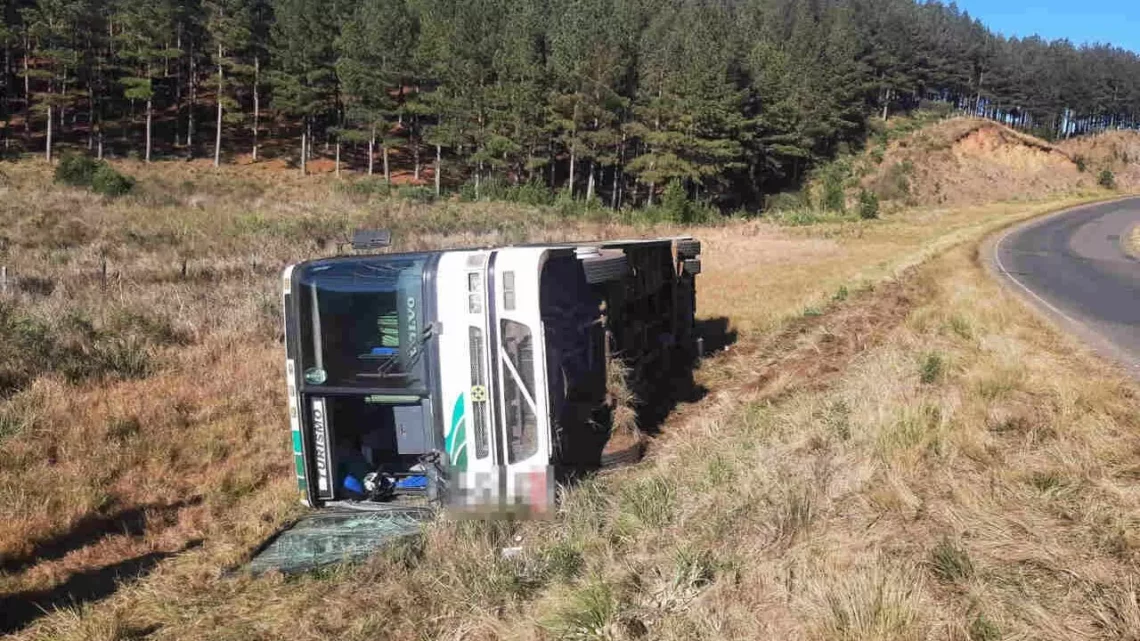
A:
x: 1081, y: 332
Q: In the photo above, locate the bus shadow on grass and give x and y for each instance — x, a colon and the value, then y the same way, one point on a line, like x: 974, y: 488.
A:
x: 662, y: 394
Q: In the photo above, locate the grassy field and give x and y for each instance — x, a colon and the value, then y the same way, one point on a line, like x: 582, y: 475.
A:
x: 894, y: 448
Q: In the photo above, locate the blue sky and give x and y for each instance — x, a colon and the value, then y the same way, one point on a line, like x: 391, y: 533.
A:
x: 1113, y: 21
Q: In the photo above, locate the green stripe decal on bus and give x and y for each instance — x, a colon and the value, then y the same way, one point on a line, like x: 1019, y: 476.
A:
x: 299, y: 463
x: 296, y: 442
x: 461, y: 458
x: 456, y: 440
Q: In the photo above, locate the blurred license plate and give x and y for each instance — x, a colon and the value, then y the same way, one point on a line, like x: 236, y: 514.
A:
x: 505, y: 491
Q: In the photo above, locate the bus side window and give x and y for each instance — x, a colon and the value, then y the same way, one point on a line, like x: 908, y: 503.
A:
x: 518, y: 391
x: 509, y: 291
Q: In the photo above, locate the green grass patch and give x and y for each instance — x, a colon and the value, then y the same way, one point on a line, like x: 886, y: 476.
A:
x: 932, y: 369
x: 950, y: 562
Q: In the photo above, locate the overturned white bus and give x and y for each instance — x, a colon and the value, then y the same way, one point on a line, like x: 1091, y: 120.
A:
x: 472, y: 377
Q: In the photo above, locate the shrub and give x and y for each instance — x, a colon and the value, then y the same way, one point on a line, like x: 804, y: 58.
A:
x: 799, y: 217
x: 1106, y: 179
x: 74, y: 347
x: 1081, y: 163
x: 675, y: 202
x: 788, y: 200
x: 108, y: 182
x: 416, y: 194
x: 24, y: 347
x: 569, y: 207
x: 81, y: 171
x: 532, y: 193
x: 833, y: 197
x: 77, y: 170
x: 467, y: 192
x: 868, y: 205
x: 365, y: 187
x: 895, y: 181
x: 677, y: 207
x: 494, y: 188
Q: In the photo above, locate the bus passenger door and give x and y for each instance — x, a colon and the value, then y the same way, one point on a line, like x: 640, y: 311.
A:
x: 522, y: 418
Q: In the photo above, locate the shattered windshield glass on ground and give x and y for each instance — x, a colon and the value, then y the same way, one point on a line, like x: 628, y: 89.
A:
x: 326, y: 538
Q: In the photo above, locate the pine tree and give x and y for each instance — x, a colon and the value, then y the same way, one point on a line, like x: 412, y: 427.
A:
x: 52, y: 27
x: 689, y: 114
x: 230, y: 25
x: 456, y: 52
x: 304, y: 78
x: 374, y: 62
x: 10, y: 29
x: 261, y: 14
x: 146, y: 46
x: 589, y: 62
x: 728, y: 101
x: 517, y: 122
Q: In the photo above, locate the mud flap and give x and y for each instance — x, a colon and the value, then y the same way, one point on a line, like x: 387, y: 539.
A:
x: 329, y: 537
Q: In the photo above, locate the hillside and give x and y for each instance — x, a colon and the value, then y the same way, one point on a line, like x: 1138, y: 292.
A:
x: 968, y: 161
x: 1117, y: 151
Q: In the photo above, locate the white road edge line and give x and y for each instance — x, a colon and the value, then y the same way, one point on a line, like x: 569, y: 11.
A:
x: 1001, y: 266
x: 1081, y: 332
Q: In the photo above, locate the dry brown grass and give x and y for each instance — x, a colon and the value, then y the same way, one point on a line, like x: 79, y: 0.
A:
x: 1132, y: 242
x: 894, y: 449
x: 111, y: 450
x: 1117, y: 151
x: 624, y: 430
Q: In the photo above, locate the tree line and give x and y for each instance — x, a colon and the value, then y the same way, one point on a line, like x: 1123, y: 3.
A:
x: 601, y: 99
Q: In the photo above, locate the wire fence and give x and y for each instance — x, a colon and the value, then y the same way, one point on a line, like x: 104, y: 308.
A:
x: 15, y: 284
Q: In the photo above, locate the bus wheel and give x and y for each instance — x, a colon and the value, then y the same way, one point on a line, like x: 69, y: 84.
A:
x: 605, y: 266
x: 688, y: 248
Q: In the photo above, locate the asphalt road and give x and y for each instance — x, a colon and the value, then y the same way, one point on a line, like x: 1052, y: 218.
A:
x: 1073, y: 267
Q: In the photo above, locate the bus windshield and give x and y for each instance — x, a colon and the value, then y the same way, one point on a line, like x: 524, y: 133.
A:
x: 362, y: 322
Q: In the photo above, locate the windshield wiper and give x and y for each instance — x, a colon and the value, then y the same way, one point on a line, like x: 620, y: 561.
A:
x: 417, y: 350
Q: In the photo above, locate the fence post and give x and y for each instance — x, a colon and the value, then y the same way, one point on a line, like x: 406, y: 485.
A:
x: 4, y: 281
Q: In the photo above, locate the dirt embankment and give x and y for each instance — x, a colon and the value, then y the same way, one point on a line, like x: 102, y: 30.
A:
x: 1116, y: 151
x: 966, y: 161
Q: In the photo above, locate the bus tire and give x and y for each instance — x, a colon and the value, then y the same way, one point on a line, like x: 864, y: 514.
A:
x: 606, y: 266
x: 688, y: 248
